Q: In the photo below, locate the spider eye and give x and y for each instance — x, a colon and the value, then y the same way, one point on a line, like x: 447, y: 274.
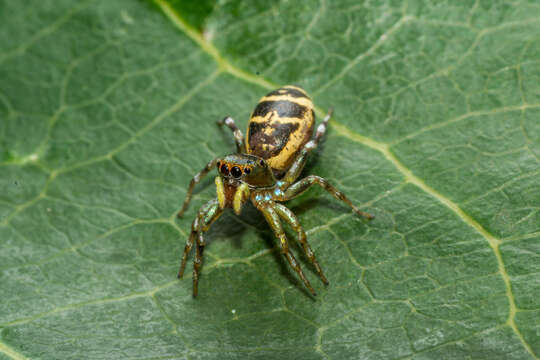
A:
x: 261, y: 162
x: 236, y: 172
x: 247, y: 170
x: 224, y: 169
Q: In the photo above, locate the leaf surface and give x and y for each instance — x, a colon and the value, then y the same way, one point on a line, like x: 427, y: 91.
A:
x: 108, y: 108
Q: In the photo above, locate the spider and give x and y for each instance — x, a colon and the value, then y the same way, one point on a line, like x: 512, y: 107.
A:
x: 264, y: 170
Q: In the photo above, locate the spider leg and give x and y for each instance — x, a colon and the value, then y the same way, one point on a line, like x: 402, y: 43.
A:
x: 238, y: 136
x: 272, y: 218
x: 302, y: 185
x: 194, y: 181
x: 208, y: 213
x: 197, y: 262
x: 187, y: 248
x: 300, y: 160
x: 292, y: 220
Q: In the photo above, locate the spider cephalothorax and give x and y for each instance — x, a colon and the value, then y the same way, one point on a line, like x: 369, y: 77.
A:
x: 264, y: 170
x: 240, y: 173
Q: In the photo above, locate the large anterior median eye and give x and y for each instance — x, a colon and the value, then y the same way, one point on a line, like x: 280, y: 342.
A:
x: 236, y: 172
x: 224, y: 169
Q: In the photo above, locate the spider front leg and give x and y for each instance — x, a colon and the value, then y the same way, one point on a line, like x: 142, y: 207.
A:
x: 290, y: 218
x: 302, y: 185
x: 272, y: 218
x: 238, y: 136
x: 208, y: 213
x: 194, y: 181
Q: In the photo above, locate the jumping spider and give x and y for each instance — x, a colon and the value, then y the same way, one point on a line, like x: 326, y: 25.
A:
x: 264, y: 170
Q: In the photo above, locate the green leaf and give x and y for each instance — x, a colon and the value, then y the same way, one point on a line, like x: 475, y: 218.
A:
x: 108, y: 108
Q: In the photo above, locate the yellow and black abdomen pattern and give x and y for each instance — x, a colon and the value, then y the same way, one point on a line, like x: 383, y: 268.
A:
x: 280, y: 125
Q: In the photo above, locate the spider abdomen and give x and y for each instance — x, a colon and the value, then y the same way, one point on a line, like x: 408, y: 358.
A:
x: 280, y: 125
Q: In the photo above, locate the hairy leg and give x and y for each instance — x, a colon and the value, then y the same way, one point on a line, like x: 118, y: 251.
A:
x: 302, y: 185
x: 208, y: 213
x: 197, y: 262
x: 194, y: 181
x: 290, y: 218
x: 272, y: 218
x: 238, y: 136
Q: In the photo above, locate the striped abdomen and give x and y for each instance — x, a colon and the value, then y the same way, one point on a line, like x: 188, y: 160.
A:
x: 280, y: 125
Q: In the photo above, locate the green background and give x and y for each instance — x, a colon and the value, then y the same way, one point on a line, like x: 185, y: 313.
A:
x: 108, y: 108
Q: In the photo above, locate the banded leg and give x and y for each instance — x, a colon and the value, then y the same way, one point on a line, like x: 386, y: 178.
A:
x: 197, y: 262
x: 238, y: 136
x: 298, y: 164
x: 292, y: 220
x: 189, y: 245
x: 302, y: 185
x: 209, y: 213
x: 273, y: 220
x: 194, y: 181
